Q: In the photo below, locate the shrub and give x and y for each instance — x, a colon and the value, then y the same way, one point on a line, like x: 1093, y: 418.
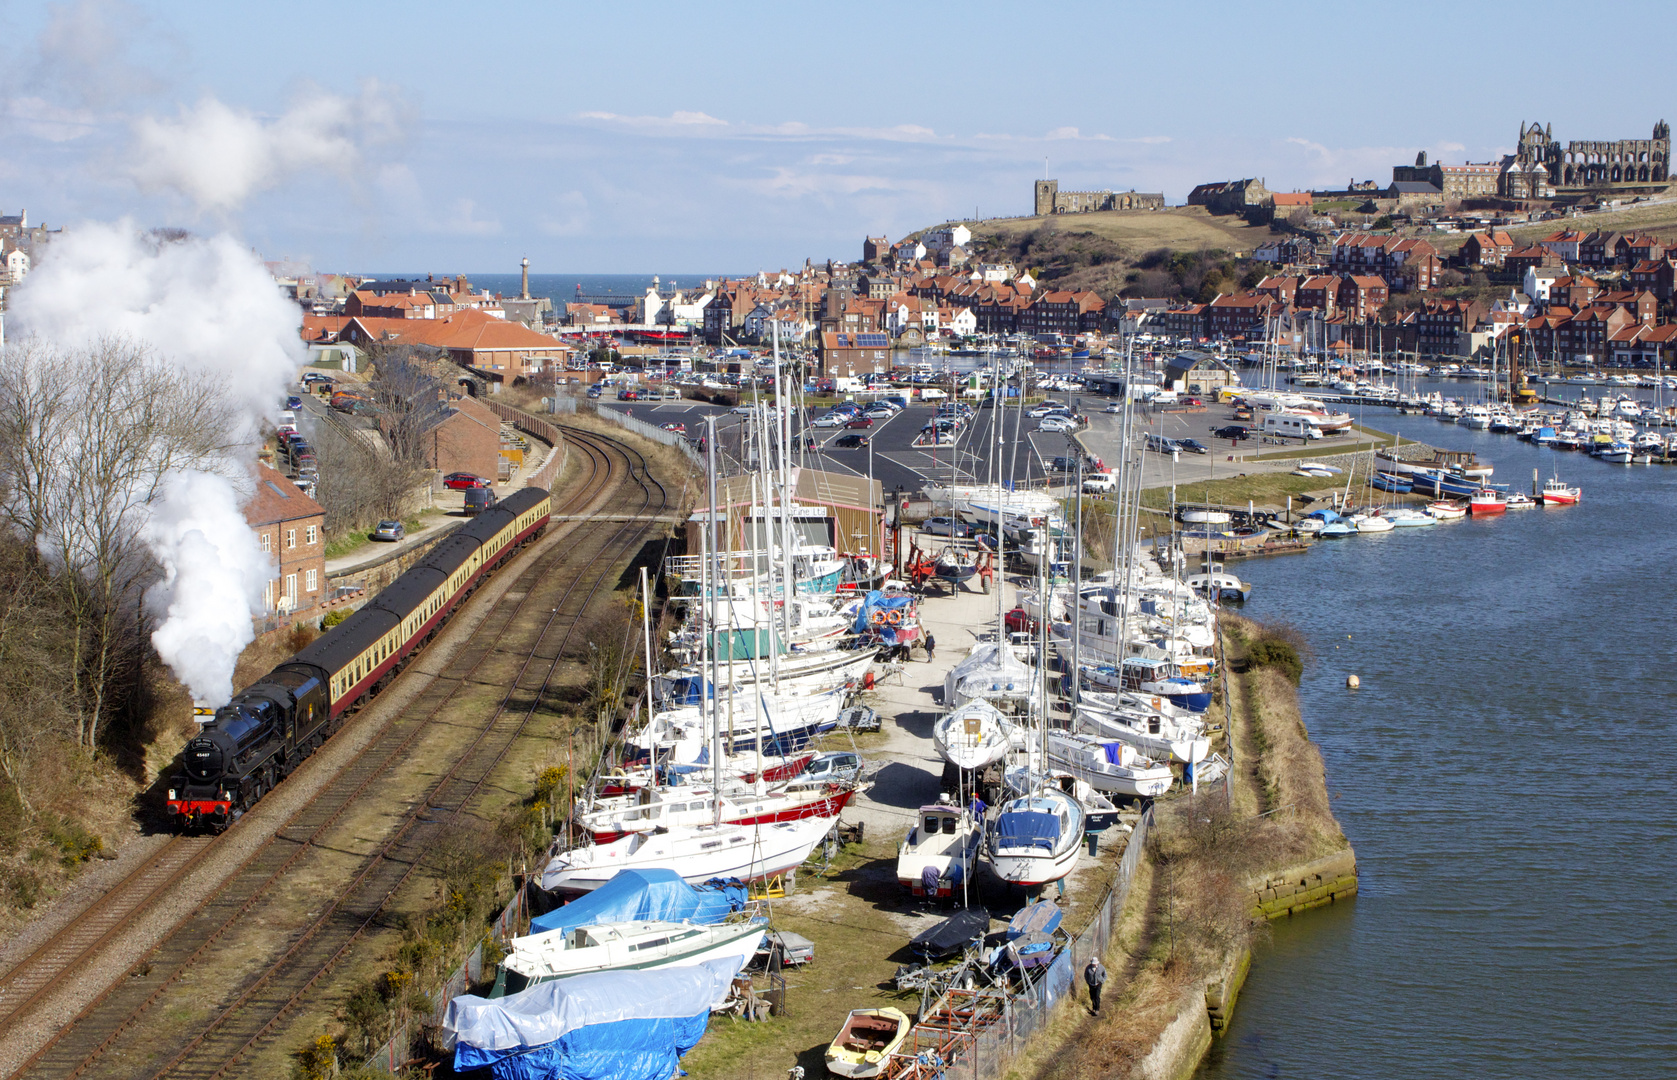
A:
x: 1273, y: 652
x: 333, y: 618
x: 75, y: 844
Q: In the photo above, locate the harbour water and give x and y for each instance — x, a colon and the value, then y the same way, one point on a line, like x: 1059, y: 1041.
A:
x: 1505, y: 773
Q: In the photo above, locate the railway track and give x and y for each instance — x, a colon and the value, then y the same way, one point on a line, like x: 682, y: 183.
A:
x: 111, y: 1037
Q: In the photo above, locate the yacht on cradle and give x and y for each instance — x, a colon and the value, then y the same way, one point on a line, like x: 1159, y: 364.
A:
x: 1113, y: 767
x: 629, y: 946
x: 698, y: 854
x: 940, y: 851
x: 1034, y: 839
x: 974, y: 735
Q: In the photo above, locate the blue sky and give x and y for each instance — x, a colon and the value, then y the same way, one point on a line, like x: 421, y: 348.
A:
x: 686, y: 137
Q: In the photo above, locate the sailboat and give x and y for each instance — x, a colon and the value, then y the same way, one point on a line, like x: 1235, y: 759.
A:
x: 974, y: 735
x: 1113, y: 767
x: 1034, y: 839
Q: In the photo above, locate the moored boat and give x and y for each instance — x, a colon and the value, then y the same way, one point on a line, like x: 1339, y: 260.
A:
x: 1487, y: 501
x: 1558, y: 493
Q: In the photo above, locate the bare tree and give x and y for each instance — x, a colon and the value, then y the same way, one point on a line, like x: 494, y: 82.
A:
x: 36, y: 662
x: 411, y: 400
x: 88, y: 437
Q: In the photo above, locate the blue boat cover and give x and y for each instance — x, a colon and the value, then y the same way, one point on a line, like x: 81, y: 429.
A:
x: 1114, y: 752
x: 1025, y: 828
x: 876, y: 612
x: 610, y: 1025
x: 634, y: 895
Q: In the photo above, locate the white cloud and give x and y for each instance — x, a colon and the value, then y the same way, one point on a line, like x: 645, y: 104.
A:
x: 218, y: 156
x: 677, y: 119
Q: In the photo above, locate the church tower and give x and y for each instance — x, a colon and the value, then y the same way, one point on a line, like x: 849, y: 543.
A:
x: 1045, y: 192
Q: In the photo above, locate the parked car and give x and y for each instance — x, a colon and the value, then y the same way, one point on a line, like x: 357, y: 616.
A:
x: 850, y: 442
x: 1037, y: 412
x: 743, y: 410
x: 477, y: 500
x: 679, y: 429
x: 464, y: 481
x: 1235, y: 432
x: 832, y: 767
x: 311, y: 377
x: 1059, y: 424
x: 1063, y: 464
x: 595, y: 391
x: 946, y: 526
x: 859, y: 422
x: 1192, y: 446
x: 831, y: 420
x: 1100, y: 483
x: 879, y: 412
x: 388, y: 530
x: 293, y: 403
x: 1162, y: 444
x: 1115, y: 407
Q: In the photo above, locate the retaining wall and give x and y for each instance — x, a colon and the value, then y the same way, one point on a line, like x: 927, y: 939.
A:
x: 1314, y: 884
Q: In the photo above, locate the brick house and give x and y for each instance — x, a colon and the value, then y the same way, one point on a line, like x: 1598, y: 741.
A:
x: 1284, y: 287
x: 291, y: 529
x: 1439, y: 324
x: 1186, y: 322
x: 1361, y: 296
x: 1599, y: 249
x: 1565, y: 244
x: 1487, y: 249
x: 1063, y: 312
x: 465, y: 437
x: 1407, y: 264
x: 1586, y: 334
x: 1520, y: 260
x: 1319, y: 293
x: 1642, y: 305
x: 1655, y: 276
x: 1241, y: 314
x: 1639, y: 247
x: 847, y: 354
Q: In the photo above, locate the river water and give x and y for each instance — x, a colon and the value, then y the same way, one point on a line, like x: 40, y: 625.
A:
x: 1506, y: 775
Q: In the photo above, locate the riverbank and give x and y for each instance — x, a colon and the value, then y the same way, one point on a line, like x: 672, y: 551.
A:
x: 1219, y: 866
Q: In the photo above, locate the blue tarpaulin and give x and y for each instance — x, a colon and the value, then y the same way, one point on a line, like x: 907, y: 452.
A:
x: 882, y: 615
x: 611, y: 1025
x: 634, y: 895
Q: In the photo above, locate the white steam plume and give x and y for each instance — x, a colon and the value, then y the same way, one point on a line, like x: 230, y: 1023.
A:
x: 210, y: 309
x: 218, y: 156
x: 213, y: 574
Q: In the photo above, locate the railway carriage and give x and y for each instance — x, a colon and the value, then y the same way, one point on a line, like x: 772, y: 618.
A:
x: 267, y: 730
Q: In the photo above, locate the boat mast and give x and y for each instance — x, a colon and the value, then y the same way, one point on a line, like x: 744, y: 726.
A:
x: 709, y: 639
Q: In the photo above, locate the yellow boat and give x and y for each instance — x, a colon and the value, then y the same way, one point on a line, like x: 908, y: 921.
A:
x: 865, y: 1042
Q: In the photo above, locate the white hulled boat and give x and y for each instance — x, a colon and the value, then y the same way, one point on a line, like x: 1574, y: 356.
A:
x: 974, y: 735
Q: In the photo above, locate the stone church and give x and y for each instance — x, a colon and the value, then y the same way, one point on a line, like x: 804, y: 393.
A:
x: 1583, y: 166
x: 1051, y: 200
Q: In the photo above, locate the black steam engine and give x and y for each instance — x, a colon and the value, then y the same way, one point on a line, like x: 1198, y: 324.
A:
x: 266, y: 731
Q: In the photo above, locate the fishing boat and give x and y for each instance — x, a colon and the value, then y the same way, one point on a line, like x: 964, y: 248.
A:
x: 864, y: 1045
x: 1487, y: 501
x: 1519, y: 500
x: 939, y: 852
x: 1558, y: 493
x: 974, y: 735
x: 1034, y: 839
x: 628, y: 946
x: 747, y: 852
x: 1112, y: 767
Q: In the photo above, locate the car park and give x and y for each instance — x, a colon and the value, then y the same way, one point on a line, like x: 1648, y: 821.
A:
x: 464, y: 481
x: 945, y: 526
x: 850, y: 442
x: 859, y: 422
x: 390, y: 531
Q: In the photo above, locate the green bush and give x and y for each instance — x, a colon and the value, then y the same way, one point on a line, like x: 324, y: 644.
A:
x: 1279, y: 654
x: 75, y: 844
x: 333, y: 618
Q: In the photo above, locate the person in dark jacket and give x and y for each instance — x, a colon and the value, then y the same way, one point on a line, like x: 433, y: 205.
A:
x: 931, y: 644
x: 1095, y: 975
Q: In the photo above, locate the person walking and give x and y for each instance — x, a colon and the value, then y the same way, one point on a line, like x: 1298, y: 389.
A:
x: 931, y: 645
x: 1095, y: 975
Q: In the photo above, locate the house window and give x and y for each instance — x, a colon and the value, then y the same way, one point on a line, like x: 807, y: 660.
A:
x: 268, y: 595
x: 267, y: 543
x: 311, y: 581
x: 291, y: 538
x: 291, y: 588
x: 313, y: 533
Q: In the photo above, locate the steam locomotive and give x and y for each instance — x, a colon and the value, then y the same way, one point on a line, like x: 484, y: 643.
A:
x: 266, y: 731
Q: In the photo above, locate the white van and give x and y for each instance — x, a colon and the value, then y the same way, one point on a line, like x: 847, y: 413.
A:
x: 845, y: 384
x: 932, y: 393
x: 287, y: 422
x: 1291, y: 426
